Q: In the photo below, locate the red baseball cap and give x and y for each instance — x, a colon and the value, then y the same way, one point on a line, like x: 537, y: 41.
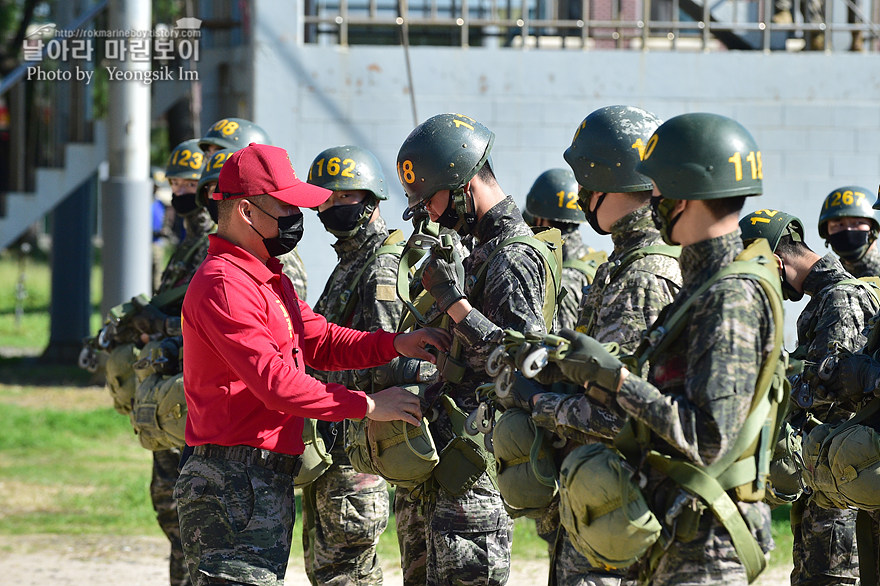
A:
x: 260, y: 168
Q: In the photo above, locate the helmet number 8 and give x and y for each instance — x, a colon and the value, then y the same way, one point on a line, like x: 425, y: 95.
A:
x: 405, y: 171
x: 754, y: 158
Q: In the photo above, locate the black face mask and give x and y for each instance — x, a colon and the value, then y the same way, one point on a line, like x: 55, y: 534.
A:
x: 184, y: 204
x: 290, y: 231
x: 661, y: 211
x: 592, y: 215
x: 343, y: 221
x: 850, y: 244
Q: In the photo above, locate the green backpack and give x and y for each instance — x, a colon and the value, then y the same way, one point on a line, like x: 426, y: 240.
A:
x: 158, y: 412
x: 121, y: 379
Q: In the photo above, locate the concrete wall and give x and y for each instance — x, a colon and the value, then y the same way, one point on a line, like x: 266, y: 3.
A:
x: 816, y: 117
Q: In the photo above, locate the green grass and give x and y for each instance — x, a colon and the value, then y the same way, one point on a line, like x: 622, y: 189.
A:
x: 24, y: 310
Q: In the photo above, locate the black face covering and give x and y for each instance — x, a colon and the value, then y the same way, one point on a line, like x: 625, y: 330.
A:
x: 344, y: 220
x: 661, y: 210
x: 184, y: 204
x: 290, y: 231
x: 850, y: 244
x: 789, y: 292
x: 593, y: 215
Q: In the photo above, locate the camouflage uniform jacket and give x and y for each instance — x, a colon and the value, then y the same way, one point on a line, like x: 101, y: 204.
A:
x: 573, y: 280
x: 512, y: 296
x: 377, y: 305
x: 699, y: 391
x: 188, y: 255
x: 296, y: 272
x: 835, y: 313
x: 867, y: 266
x: 620, y: 310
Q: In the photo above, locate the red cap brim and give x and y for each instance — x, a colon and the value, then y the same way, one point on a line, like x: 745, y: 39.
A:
x: 304, y: 195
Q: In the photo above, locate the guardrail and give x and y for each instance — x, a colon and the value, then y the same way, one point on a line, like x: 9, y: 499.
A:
x: 584, y: 24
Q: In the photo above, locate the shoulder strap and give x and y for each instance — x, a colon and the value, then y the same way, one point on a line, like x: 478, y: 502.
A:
x: 551, y: 252
x: 586, y: 268
x: 871, y: 284
x: 629, y: 258
x: 392, y: 245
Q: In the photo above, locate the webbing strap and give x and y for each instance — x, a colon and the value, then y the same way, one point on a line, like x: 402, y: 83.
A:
x: 867, y: 548
x: 586, y: 268
x: 393, y: 245
x: 628, y: 259
x: 696, y: 481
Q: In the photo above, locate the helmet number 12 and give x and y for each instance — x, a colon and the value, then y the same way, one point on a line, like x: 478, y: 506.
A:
x: 753, y: 158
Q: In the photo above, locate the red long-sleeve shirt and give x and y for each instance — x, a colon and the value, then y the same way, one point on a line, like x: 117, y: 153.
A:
x: 247, y: 339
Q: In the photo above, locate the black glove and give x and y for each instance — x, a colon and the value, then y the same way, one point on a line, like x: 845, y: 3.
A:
x: 587, y: 361
x: 520, y: 393
x: 150, y: 320
x: 442, y: 279
x: 854, y: 377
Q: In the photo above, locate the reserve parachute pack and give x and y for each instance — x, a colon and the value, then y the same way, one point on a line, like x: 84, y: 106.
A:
x: 121, y: 380
x: 525, y: 469
x: 742, y: 471
x: 315, y: 459
x: 158, y: 412
x: 402, y: 454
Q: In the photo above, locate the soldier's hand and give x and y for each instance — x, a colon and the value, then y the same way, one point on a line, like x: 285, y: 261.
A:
x: 520, y: 393
x: 442, y: 279
x: 854, y: 377
x: 417, y: 344
x: 587, y: 361
x: 393, y: 404
x: 149, y: 320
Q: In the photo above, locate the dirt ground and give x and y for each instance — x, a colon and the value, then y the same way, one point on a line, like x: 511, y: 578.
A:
x: 33, y: 560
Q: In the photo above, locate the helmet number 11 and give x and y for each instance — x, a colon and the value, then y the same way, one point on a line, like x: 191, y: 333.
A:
x: 753, y: 158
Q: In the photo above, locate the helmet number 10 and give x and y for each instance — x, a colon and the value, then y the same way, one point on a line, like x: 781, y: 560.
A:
x: 753, y: 158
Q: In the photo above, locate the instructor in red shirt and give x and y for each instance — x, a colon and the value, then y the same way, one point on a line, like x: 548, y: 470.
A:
x: 247, y: 341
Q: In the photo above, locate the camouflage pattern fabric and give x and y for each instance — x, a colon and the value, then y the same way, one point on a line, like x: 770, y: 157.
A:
x: 344, y: 511
x: 189, y: 254
x: 164, y: 477
x: 412, y: 536
x: 617, y: 310
x: 824, y: 549
x: 295, y: 270
x: 469, y: 537
x: 223, y: 526
x: 573, y: 280
x: 867, y: 266
x: 697, y: 395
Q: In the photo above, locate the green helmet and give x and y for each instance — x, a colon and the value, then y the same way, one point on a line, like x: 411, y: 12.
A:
x: 210, y: 173
x: 703, y: 156
x: 443, y: 152
x: 348, y: 168
x: 233, y: 133
x: 850, y: 201
x: 186, y: 161
x: 772, y: 225
x: 554, y: 196
x: 607, y: 147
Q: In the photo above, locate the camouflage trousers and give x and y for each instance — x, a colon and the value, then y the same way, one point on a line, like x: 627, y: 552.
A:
x: 824, y: 550
x: 164, y: 476
x: 454, y: 540
x: 568, y: 567
x: 236, y: 521
x: 344, y: 513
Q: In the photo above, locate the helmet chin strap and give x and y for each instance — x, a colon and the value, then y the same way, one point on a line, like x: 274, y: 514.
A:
x: 466, y: 219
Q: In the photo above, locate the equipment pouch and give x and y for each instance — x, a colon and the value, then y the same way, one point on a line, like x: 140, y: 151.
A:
x: 462, y: 462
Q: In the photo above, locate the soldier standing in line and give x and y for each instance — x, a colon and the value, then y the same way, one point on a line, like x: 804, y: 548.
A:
x: 640, y: 278
x: 345, y: 511
x: 702, y: 379
x: 824, y: 550
x: 552, y: 202
x: 183, y: 172
x: 463, y: 533
x: 849, y: 225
